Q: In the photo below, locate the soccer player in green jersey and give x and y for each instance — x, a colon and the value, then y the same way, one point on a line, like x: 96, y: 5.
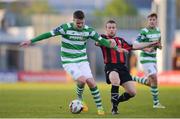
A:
x: 74, y: 56
x: 148, y: 57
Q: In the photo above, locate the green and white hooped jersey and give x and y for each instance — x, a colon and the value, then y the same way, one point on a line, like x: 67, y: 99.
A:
x: 73, y: 46
x: 149, y: 35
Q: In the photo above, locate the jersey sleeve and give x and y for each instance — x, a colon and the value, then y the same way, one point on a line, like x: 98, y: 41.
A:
x: 101, y: 41
x: 59, y: 30
x: 98, y: 44
x: 141, y: 37
x: 94, y: 35
x: 41, y: 37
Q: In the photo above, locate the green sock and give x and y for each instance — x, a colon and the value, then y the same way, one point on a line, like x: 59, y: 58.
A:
x: 96, y: 96
x: 142, y: 80
x: 154, y: 92
x: 79, y: 91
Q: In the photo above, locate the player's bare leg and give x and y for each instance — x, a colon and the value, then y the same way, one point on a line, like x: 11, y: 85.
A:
x: 130, y: 88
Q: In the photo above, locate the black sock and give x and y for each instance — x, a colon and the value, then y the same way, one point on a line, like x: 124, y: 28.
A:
x: 114, y: 94
x: 124, y: 97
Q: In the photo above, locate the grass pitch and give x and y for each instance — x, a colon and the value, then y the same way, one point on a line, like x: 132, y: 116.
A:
x: 24, y: 100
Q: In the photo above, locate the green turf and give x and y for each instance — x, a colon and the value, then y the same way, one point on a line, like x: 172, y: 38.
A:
x: 52, y: 100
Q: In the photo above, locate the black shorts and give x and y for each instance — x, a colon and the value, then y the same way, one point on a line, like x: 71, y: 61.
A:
x: 122, y: 70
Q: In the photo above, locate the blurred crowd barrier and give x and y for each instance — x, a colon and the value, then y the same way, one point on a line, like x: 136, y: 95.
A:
x: 165, y: 78
x: 29, y: 76
x: 169, y: 78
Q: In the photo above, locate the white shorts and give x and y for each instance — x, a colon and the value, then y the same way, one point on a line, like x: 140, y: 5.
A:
x: 149, y: 68
x: 78, y: 69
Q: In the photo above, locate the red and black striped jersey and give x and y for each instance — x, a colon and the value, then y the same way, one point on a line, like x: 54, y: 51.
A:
x: 112, y: 56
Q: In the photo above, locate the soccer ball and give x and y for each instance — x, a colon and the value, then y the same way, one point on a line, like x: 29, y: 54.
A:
x: 76, y: 106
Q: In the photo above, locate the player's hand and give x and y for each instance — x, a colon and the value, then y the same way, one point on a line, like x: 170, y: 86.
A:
x: 97, y: 44
x: 113, y: 43
x: 122, y: 50
x: 25, y: 43
x: 159, y: 45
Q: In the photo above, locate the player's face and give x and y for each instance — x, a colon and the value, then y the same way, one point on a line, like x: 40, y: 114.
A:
x: 152, y: 22
x: 79, y: 23
x: 111, y: 29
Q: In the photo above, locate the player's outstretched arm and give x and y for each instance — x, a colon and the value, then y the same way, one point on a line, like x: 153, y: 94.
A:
x: 108, y: 43
x: 113, y: 44
x: 36, y: 39
x: 141, y: 45
x: 102, y: 41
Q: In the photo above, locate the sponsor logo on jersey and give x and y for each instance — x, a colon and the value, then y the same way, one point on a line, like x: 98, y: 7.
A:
x: 76, y: 33
x: 76, y: 37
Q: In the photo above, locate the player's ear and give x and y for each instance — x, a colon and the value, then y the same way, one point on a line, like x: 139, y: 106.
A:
x: 74, y: 19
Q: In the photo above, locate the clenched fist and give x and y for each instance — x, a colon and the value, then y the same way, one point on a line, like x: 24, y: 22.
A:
x: 113, y: 43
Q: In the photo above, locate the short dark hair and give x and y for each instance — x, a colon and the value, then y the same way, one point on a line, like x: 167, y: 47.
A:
x: 152, y: 15
x: 111, y: 21
x: 78, y: 14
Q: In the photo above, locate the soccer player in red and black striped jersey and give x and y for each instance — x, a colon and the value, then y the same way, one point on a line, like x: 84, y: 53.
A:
x: 115, y: 70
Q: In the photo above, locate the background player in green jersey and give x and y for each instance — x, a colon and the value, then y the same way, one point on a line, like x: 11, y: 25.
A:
x: 148, y: 57
x: 74, y: 56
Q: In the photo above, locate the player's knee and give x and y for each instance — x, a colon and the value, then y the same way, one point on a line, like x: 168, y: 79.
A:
x: 132, y: 93
x: 148, y: 83
x: 153, y: 78
x: 81, y: 80
x: 115, y: 81
x: 91, y: 82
